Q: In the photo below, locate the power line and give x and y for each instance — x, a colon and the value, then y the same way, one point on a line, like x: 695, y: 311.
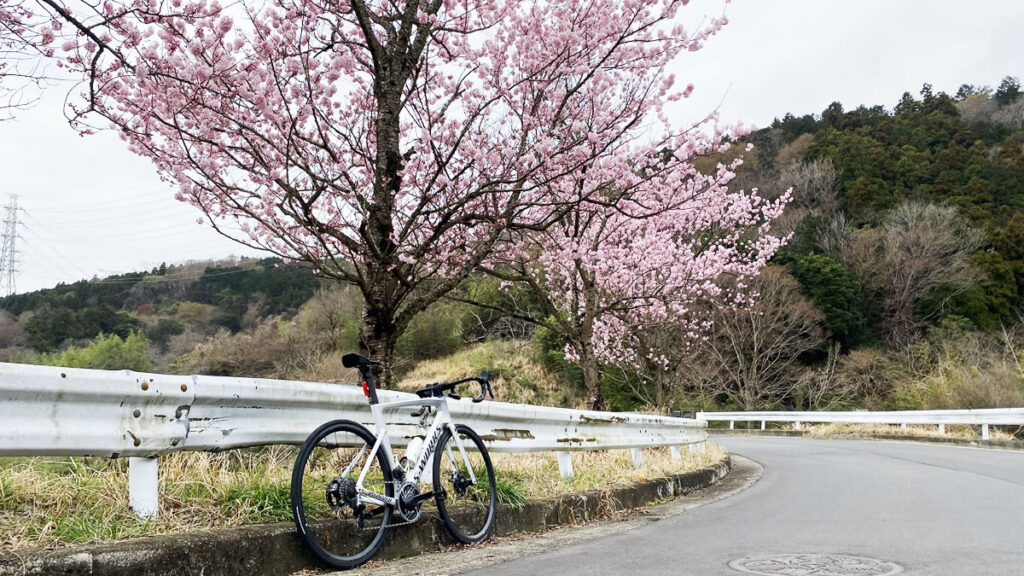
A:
x: 57, y: 247
x: 132, y: 204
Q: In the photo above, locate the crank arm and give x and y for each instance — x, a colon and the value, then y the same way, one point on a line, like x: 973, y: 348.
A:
x: 375, y: 512
x: 424, y: 497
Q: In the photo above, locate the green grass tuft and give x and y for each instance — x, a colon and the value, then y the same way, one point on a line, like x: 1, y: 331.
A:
x: 511, y: 491
x: 267, y: 501
x: 8, y: 498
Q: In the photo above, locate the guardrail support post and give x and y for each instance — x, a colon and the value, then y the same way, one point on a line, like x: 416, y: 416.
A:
x: 763, y: 424
x: 984, y: 432
x: 638, y: 457
x: 698, y: 447
x: 797, y: 424
x: 143, y: 487
x: 942, y: 429
x: 676, y: 456
x: 564, y: 464
x: 903, y: 426
x: 732, y: 424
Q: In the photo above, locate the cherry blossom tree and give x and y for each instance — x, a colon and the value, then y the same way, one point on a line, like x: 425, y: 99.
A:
x: 21, y: 68
x: 640, y: 249
x: 391, y: 145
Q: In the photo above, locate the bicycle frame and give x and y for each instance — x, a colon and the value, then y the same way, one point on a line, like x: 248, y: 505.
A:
x: 442, y: 421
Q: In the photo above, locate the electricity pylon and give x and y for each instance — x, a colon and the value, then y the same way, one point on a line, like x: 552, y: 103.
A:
x: 9, y: 250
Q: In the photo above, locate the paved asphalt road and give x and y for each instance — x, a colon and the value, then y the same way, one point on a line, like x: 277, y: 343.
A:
x: 936, y: 510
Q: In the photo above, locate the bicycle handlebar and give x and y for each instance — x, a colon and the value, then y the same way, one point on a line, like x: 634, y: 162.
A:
x: 433, y: 391
x: 439, y: 389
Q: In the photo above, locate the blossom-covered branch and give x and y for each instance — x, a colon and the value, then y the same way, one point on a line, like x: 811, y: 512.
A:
x: 393, y: 145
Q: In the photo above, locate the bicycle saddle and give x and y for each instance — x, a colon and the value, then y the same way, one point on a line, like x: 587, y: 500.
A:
x: 357, y: 361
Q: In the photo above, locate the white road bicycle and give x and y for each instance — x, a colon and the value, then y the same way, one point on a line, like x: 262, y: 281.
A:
x: 348, y: 487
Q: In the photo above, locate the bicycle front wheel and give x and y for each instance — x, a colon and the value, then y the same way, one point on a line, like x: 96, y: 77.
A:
x: 342, y: 529
x: 467, y: 508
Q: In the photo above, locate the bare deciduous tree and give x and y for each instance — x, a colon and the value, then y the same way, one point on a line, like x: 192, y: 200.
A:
x: 982, y: 108
x: 834, y: 238
x: 1011, y: 115
x: 675, y: 373
x: 977, y: 108
x: 752, y: 353
x: 329, y: 310
x: 815, y: 186
x: 918, y: 248
x: 11, y: 334
x: 825, y: 387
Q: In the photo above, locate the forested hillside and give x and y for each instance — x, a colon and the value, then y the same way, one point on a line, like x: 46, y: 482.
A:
x: 906, y: 248
x: 175, y: 305
x: 901, y: 286
x: 961, y: 152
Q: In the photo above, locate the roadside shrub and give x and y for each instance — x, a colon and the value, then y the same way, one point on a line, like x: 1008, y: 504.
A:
x: 872, y: 374
x: 955, y: 368
x: 515, y: 373
x: 106, y: 352
x: 274, y: 349
x: 550, y: 350
x: 618, y: 388
x: 431, y: 334
x: 336, y: 312
x: 161, y: 331
x: 197, y: 315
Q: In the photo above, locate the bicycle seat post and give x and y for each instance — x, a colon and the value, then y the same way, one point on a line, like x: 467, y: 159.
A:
x: 365, y: 366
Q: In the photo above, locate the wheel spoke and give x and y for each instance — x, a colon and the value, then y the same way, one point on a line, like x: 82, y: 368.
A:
x: 468, y: 508
x: 331, y: 516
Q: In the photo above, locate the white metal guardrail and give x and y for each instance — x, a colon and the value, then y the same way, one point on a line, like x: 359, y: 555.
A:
x: 74, y: 412
x: 984, y: 417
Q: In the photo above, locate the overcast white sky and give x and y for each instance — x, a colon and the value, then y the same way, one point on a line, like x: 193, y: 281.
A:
x: 93, y: 209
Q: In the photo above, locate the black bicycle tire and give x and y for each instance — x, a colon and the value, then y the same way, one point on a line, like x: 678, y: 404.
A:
x: 441, y: 498
x: 298, y: 512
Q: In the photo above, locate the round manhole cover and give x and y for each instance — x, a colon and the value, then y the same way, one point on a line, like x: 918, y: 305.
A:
x: 815, y: 565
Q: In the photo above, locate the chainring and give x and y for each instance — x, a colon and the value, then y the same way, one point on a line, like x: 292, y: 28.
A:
x: 408, y: 507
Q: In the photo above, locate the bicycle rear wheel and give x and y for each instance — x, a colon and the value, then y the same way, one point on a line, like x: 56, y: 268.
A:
x: 467, y: 509
x: 341, y: 530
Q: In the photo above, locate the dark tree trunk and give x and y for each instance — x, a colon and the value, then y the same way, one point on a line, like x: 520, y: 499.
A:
x: 380, y: 286
x: 591, y: 376
x: 377, y: 338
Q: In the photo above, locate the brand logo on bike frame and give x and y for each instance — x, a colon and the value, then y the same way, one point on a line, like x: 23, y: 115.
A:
x: 428, y: 449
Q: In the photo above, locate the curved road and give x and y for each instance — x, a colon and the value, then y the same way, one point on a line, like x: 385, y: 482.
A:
x: 937, y: 510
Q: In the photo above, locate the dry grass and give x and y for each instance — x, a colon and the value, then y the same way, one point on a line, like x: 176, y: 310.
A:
x: 49, y: 501
x: 54, y: 501
x: 962, y: 432
x: 538, y: 473
x: 515, y: 374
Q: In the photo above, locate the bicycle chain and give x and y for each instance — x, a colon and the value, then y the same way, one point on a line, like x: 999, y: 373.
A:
x: 378, y: 527
x: 394, y: 510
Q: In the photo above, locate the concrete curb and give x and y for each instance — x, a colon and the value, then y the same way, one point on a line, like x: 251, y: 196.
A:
x: 999, y: 444
x: 275, y: 549
x: 743, y: 475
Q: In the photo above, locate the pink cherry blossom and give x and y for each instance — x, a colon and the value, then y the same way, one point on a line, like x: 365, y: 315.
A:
x: 401, y: 145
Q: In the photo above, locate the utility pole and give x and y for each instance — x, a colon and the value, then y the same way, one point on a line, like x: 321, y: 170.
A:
x: 9, y: 250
